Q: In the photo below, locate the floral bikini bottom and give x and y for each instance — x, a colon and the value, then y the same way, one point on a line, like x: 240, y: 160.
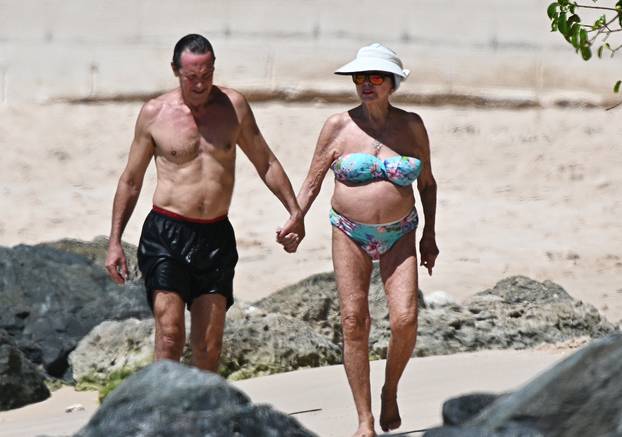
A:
x: 375, y: 239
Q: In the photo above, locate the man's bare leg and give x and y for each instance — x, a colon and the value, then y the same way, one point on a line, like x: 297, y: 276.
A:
x: 208, y: 323
x: 170, y: 331
x: 398, y: 269
x: 353, y: 272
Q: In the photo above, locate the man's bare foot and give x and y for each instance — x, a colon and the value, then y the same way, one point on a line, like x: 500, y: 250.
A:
x: 366, y: 429
x: 389, y: 412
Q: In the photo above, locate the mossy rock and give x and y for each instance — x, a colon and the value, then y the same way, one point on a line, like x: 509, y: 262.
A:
x: 107, y: 385
x: 96, y: 252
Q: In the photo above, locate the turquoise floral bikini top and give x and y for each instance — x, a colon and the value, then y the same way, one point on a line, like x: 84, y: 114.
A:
x: 363, y: 167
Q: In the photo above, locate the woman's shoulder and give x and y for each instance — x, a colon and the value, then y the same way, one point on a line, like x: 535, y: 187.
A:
x: 413, y: 121
x: 408, y: 116
x: 336, y: 122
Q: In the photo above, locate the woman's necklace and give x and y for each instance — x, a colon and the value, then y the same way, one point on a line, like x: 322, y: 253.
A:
x: 376, y: 145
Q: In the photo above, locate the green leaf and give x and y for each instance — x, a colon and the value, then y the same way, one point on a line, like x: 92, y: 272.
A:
x: 576, y: 28
x: 571, y: 7
x: 583, y: 36
x: 562, y: 24
x: 574, y: 31
x: 551, y: 11
x: 600, y: 51
x: 616, y: 87
x: 600, y: 22
x: 574, y: 19
x: 570, y: 33
x: 586, y: 53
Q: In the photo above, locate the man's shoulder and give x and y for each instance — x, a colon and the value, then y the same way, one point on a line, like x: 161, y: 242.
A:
x: 154, y: 106
x: 234, y: 96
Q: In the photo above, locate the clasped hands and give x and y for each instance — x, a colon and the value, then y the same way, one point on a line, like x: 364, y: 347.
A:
x: 291, y: 233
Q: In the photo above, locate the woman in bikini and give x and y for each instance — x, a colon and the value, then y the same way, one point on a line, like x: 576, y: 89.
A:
x: 376, y: 152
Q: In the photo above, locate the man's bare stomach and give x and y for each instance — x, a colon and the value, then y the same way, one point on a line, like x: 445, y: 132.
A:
x: 205, y: 201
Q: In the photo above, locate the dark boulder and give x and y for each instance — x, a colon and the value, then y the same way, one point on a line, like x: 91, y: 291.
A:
x: 512, y: 430
x: 52, y: 298
x: 21, y: 383
x: 581, y: 396
x: 459, y: 410
x: 168, y: 399
x: 96, y: 251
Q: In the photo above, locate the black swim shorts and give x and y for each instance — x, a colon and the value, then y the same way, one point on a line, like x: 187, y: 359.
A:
x: 187, y: 256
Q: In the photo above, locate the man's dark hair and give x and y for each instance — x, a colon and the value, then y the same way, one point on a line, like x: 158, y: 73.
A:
x: 194, y: 43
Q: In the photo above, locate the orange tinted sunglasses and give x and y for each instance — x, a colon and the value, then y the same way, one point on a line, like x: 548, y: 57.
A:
x: 373, y: 78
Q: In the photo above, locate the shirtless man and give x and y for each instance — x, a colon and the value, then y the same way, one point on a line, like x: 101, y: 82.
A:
x: 187, y: 250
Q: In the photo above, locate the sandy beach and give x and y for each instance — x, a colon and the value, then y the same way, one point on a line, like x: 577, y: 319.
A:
x: 320, y: 398
x: 533, y: 191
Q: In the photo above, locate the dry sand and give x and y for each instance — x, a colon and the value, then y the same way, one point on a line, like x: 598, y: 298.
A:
x: 427, y: 382
x: 533, y: 192
x: 50, y: 416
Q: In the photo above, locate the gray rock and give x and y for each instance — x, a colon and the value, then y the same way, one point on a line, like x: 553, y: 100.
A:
x: 459, y: 410
x: 517, y: 313
x: 255, y: 343
x: 512, y: 430
x: 52, y: 298
x: 315, y: 300
x: 21, y: 383
x: 260, y: 343
x: 123, y: 347
x: 581, y: 396
x: 168, y: 398
x: 96, y: 251
x: 439, y: 299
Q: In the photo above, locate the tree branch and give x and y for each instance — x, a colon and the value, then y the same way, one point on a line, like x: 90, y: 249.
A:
x: 595, y: 7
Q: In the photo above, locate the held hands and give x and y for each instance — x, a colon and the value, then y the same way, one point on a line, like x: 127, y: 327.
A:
x: 291, y: 234
x: 428, y: 252
x: 116, y: 264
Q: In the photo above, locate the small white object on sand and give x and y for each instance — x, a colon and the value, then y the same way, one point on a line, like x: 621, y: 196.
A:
x: 73, y: 408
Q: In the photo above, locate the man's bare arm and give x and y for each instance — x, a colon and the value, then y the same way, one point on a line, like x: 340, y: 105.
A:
x: 128, y: 190
x: 426, y: 185
x: 269, y: 168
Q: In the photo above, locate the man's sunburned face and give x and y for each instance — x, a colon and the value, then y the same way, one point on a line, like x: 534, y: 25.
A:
x: 195, y: 76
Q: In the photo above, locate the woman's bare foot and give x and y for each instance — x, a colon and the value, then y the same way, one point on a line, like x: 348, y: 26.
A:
x: 366, y: 429
x: 389, y: 412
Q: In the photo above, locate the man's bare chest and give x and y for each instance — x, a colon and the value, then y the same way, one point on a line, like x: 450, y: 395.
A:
x: 185, y: 138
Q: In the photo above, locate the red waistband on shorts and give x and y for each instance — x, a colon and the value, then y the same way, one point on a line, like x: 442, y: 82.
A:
x: 176, y: 216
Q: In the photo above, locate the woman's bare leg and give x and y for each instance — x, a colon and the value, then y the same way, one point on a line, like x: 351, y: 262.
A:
x: 398, y: 268
x: 352, y: 272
